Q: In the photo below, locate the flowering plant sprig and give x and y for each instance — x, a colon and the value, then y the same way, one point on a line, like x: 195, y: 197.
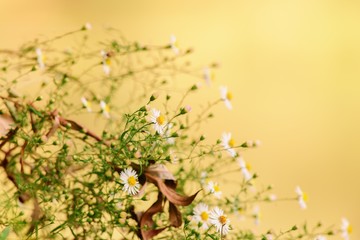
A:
x: 141, y: 170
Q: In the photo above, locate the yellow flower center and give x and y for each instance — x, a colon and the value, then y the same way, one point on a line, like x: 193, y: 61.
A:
x: 231, y: 142
x: 212, y: 75
x: 305, y: 197
x: 216, y: 188
x: 229, y: 96
x: 176, y: 44
x: 204, y: 216
x: 106, y: 108
x: 108, y: 61
x: 349, y: 229
x: 160, y: 120
x: 222, y: 219
x: 248, y: 166
x: 131, y: 181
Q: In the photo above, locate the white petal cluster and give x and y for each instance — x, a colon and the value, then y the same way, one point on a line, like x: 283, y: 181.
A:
x: 228, y: 143
x: 302, y: 197
x: 129, y: 178
x: 226, y: 96
x: 158, y: 120
x: 220, y: 221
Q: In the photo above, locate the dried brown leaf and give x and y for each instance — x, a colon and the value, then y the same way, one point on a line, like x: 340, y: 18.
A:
x: 174, y: 216
x: 146, y: 221
x: 170, y: 192
x: 160, y: 171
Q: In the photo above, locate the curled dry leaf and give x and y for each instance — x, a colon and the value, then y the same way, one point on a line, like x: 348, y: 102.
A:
x: 146, y: 221
x: 165, y: 181
x: 160, y: 171
x: 167, y: 188
x: 174, y: 216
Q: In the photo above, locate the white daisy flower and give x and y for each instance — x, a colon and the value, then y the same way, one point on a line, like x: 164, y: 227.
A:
x: 174, y: 44
x: 201, y: 215
x: 106, y: 62
x: 158, y: 120
x: 129, y: 178
x: 105, y: 109
x: 302, y: 197
x: 214, y: 188
x: 228, y: 143
x: 208, y: 75
x: 86, y: 104
x: 320, y: 237
x: 346, y: 229
x: 226, y: 96
x: 220, y: 221
x: 40, y: 58
x: 245, y: 168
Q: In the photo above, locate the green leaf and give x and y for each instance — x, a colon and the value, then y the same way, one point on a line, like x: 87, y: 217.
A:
x: 4, y: 234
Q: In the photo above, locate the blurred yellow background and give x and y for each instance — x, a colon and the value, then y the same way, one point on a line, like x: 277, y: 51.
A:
x: 294, y: 69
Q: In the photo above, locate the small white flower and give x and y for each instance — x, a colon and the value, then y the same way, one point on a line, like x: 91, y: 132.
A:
x: 106, y: 62
x: 256, y: 214
x: 257, y: 143
x: 105, y: 109
x: 170, y: 140
x: 174, y: 44
x: 272, y: 197
x: 203, y: 177
x: 320, y: 237
x: 138, y: 154
x: 346, y: 229
x: 40, y: 58
x: 129, y: 178
x: 214, y: 188
x: 208, y: 75
x: 119, y: 206
x: 269, y: 236
x: 158, y: 120
x: 220, y: 221
x: 226, y: 96
x: 201, y: 215
x: 86, y: 104
x: 302, y: 197
x: 174, y: 158
x: 228, y: 143
x: 245, y: 168
x: 87, y: 26
x: 240, y: 213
